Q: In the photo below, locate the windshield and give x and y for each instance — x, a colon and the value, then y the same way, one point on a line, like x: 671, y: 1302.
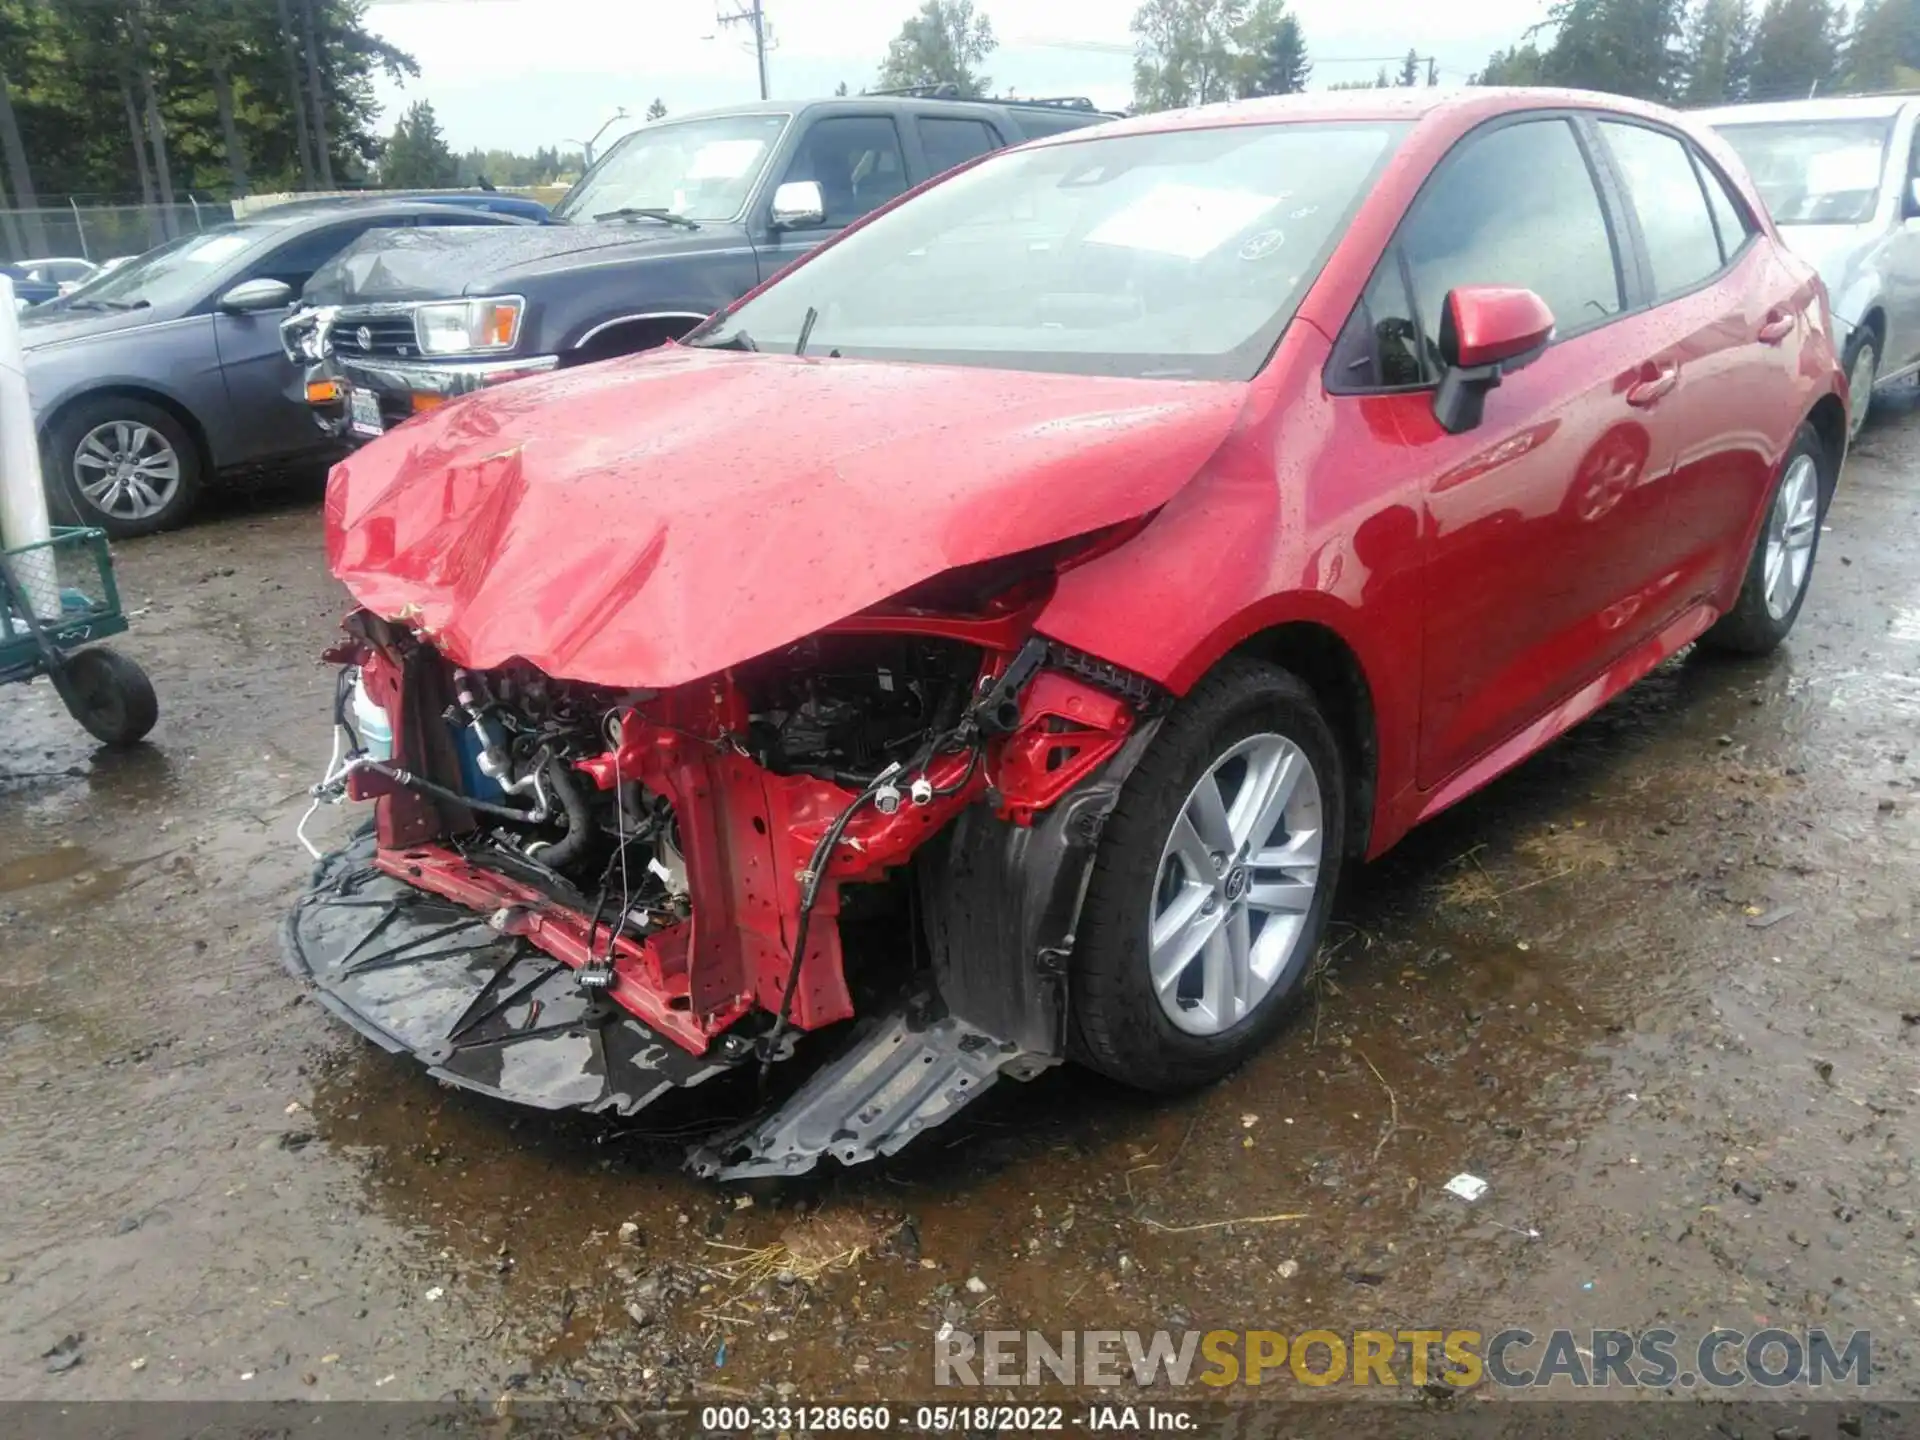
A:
x: 1815, y: 172
x: 1179, y: 253
x: 171, y: 274
x: 696, y: 169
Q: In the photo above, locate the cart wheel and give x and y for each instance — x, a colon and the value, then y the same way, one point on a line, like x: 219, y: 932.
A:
x: 109, y: 694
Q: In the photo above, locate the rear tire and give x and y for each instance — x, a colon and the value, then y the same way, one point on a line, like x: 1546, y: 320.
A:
x: 122, y: 465
x: 1780, y: 570
x: 1254, y: 736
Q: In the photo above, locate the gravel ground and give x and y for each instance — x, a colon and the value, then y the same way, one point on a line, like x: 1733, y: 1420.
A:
x: 1659, y: 987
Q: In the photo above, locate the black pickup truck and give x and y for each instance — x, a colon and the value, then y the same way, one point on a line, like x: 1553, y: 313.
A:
x: 678, y: 219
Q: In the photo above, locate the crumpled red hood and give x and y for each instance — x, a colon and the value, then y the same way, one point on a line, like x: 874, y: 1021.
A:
x: 651, y: 521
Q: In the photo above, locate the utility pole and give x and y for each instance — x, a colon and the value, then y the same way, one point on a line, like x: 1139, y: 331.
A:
x: 619, y: 113
x: 750, y: 14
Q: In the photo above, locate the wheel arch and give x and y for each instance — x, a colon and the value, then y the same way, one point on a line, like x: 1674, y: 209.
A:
x: 1331, y: 668
x: 147, y: 395
x: 630, y: 334
x: 1829, y: 421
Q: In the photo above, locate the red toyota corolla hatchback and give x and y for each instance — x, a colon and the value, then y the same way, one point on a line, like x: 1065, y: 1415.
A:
x: 1003, y: 625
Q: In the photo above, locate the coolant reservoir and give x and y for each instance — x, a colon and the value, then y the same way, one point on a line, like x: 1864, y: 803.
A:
x: 375, y: 729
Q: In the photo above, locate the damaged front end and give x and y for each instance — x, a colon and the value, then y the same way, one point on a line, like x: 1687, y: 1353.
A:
x: 864, y: 851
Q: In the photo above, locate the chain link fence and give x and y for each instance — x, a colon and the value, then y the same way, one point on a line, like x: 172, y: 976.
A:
x: 101, y: 232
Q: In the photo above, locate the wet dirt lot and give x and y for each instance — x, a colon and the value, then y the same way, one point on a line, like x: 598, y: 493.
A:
x: 1660, y: 987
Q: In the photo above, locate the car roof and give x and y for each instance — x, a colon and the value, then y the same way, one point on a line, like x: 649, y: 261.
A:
x: 1838, y: 107
x: 1402, y: 103
x: 869, y: 103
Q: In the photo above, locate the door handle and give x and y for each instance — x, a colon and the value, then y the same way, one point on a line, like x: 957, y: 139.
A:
x: 1666, y: 375
x: 1776, y: 329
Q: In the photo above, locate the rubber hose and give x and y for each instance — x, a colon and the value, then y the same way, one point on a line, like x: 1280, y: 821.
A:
x: 440, y: 792
x: 579, y: 820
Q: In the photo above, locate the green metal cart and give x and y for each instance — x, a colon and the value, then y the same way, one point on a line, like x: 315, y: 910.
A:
x: 101, y: 688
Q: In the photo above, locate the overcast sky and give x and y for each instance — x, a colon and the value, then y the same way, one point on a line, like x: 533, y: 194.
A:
x: 518, y: 74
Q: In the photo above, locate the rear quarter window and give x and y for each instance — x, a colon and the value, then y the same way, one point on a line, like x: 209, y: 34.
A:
x: 1729, y: 214
x: 950, y: 141
x: 1038, y: 122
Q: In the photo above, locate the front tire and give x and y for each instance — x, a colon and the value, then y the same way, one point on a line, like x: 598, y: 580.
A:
x: 1213, y: 884
x: 1781, y: 565
x: 123, y: 465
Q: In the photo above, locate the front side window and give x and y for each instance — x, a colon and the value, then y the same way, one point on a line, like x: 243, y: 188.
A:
x: 856, y: 162
x: 696, y: 169
x: 1814, y: 172
x: 1175, y: 253
x: 176, y: 272
x: 1672, y: 206
x: 1516, y: 205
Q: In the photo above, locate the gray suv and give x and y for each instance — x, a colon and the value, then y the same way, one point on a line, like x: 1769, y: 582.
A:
x: 678, y: 219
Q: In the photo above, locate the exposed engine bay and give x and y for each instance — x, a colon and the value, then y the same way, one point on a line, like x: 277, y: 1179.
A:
x: 587, y: 897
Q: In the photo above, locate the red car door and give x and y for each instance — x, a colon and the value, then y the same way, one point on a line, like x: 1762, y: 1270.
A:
x: 1540, y: 520
x: 1728, y: 312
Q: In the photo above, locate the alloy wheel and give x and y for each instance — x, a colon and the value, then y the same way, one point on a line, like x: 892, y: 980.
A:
x: 1791, y: 529
x: 127, y: 470
x: 1237, y: 876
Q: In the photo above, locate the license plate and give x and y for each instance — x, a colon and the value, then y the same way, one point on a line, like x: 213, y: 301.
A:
x: 363, y: 413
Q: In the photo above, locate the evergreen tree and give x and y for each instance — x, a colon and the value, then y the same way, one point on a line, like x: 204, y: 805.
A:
x: 1516, y: 65
x: 1274, y: 53
x: 1625, y: 47
x: 417, y: 157
x: 657, y: 110
x: 101, y: 92
x: 1410, y: 70
x: 544, y: 166
x: 1719, y: 51
x: 1796, y: 50
x: 1883, y: 47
